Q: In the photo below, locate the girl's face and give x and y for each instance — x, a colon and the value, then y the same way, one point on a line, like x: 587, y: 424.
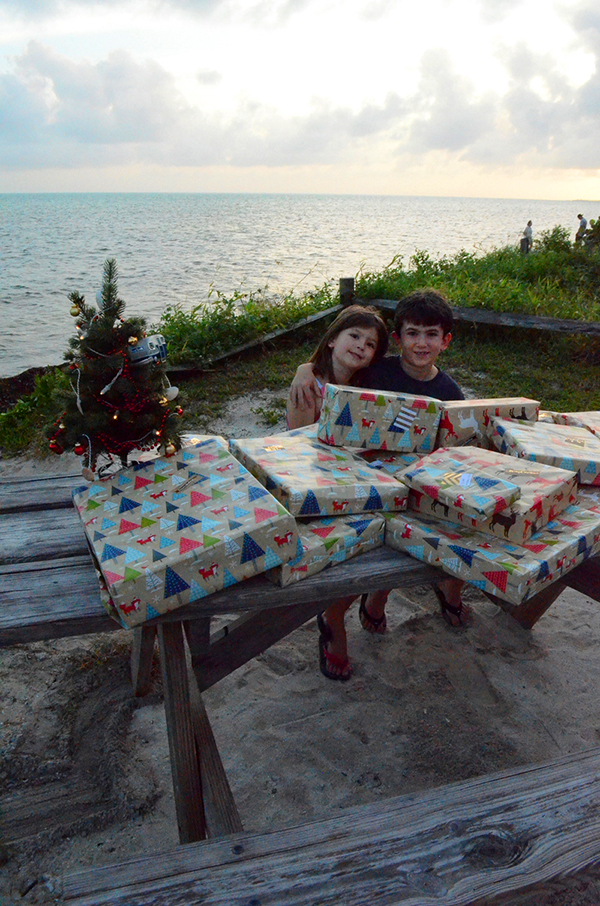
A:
x: 352, y: 349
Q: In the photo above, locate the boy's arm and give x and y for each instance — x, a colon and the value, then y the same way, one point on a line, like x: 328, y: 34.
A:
x: 305, y: 393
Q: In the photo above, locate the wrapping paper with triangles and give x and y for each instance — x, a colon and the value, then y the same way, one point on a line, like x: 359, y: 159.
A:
x: 568, y: 447
x: 589, y: 420
x: 325, y: 542
x: 392, y: 463
x: 465, y: 422
x: 545, y: 492
x: 510, y: 571
x: 312, y: 479
x: 377, y: 420
x: 472, y: 486
x: 176, y: 529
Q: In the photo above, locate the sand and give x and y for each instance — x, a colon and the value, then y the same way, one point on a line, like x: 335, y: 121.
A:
x: 427, y: 705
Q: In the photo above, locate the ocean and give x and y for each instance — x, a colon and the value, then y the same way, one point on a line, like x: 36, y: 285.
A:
x: 177, y: 249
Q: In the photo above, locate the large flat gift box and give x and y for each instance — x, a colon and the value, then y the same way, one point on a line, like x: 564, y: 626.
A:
x: 324, y: 542
x: 545, y: 491
x: 572, y: 448
x: 510, y: 571
x: 173, y: 530
x: 392, y: 463
x: 377, y: 420
x: 466, y: 421
x: 311, y: 479
x: 589, y: 420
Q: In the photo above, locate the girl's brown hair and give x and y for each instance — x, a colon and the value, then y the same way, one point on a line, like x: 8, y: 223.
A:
x: 353, y: 316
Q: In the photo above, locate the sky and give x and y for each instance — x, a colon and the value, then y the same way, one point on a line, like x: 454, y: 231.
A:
x: 476, y: 98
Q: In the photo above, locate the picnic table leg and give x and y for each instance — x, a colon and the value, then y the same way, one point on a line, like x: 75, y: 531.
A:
x: 142, y: 652
x: 528, y: 613
x: 185, y: 763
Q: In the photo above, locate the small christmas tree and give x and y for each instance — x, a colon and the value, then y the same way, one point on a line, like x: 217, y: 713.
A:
x: 122, y: 399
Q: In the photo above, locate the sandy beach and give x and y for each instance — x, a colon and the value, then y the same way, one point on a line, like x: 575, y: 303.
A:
x: 85, y: 775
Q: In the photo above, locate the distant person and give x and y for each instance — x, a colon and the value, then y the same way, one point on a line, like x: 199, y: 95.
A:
x: 582, y: 228
x: 527, y: 240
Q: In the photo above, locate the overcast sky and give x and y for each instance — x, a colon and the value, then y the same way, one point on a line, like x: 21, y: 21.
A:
x: 491, y: 98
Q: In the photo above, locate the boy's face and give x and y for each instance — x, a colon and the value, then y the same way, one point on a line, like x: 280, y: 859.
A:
x: 421, y: 345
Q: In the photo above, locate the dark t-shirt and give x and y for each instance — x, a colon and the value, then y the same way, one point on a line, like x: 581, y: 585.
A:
x: 388, y: 374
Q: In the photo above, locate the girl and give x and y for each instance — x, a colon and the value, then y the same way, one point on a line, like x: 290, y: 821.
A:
x: 357, y: 337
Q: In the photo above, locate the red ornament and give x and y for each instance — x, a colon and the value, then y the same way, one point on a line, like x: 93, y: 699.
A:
x: 79, y: 449
x: 56, y: 447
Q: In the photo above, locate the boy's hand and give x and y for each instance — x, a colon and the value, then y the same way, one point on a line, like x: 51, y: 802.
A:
x: 304, y: 391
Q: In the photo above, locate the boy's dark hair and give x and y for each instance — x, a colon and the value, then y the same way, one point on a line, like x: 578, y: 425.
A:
x: 353, y: 316
x: 426, y: 307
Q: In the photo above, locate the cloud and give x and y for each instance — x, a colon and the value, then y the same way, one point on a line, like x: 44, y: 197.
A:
x: 44, y: 9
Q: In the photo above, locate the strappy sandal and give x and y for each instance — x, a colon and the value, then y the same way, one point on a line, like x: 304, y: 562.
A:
x: 456, y: 617
x: 376, y: 625
x: 326, y: 658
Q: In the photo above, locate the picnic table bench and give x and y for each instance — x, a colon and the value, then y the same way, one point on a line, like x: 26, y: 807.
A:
x: 49, y: 589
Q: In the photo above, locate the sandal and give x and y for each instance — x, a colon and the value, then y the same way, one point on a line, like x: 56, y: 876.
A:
x: 456, y: 617
x: 326, y: 658
x: 376, y: 625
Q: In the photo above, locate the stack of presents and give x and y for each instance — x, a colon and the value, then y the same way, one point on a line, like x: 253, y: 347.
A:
x: 483, y: 489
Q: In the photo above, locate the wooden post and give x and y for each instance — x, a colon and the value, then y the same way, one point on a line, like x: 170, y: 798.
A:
x: 347, y: 296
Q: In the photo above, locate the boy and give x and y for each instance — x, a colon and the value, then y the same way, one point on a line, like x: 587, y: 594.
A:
x: 422, y: 330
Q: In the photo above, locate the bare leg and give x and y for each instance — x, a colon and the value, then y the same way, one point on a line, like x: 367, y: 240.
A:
x: 335, y: 642
x: 456, y: 613
x: 372, y: 612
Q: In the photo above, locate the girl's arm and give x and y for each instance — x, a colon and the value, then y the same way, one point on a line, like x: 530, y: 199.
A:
x: 300, y: 416
x: 305, y: 392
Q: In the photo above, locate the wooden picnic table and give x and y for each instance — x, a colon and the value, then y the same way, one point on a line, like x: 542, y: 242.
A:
x: 49, y: 590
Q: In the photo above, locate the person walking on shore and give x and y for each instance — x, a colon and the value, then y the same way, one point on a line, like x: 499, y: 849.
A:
x: 581, y: 229
x: 527, y: 240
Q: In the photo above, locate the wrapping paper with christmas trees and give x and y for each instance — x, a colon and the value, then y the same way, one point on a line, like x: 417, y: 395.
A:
x: 510, y: 571
x: 466, y: 421
x: 545, y: 492
x: 392, y: 463
x: 312, y: 479
x: 324, y: 542
x: 589, y: 420
x: 575, y: 449
x: 174, y: 530
x: 372, y: 419
x: 473, y: 487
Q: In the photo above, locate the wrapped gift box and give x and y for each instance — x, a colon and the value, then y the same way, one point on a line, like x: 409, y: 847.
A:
x: 545, y: 491
x: 466, y: 421
x: 510, y: 571
x: 372, y: 419
x: 589, y: 420
x: 176, y: 529
x: 323, y: 542
x: 392, y: 463
x: 312, y: 479
x: 575, y: 449
x: 463, y: 483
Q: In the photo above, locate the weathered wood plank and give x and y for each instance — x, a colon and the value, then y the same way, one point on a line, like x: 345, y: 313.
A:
x: 142, y: 652
x: 449, y: 846
x: 248, y: 637
x: 20, y: 494
x: 185, y: 764
x: 41, y: 535
x: 528, y: 613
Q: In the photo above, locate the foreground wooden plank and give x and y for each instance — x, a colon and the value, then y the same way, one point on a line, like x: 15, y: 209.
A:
x: 20, y: 494
x: 450, y: 846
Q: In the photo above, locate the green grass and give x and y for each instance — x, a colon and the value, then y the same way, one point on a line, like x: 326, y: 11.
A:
x: 22, y: 426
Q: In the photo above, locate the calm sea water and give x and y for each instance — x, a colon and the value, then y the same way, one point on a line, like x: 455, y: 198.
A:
x: 172, y: 248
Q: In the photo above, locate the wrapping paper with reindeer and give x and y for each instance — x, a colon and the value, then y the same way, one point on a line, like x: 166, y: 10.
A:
x: 392, y: 463
x: 545, y: 492
x: 374, y: 420
x: 567, y: 447
x: 324, y: 542
x: 312, y: 479
x: 510, y: 571
x: 589, y: 420
x: 466, y: 421
x: 173, y: 530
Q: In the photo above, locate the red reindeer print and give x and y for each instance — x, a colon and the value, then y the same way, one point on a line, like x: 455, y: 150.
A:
x: 407, y: 531
x: 160, y: 494
x: 419, y: 430
x: 130, y: 608
x: 147, y: 540
x: 209, y: 571
x: 344, y: 469
x: 340, y: 505
x: 368, y: 422
x: 560, y: 563
x: 218, y: 512
x: 460, y: 499
x: 538, y: 507
x: 399, y: 501
x: 225, y: 468
x: 447, y: 426
x: 92, y: 521
x: 486, y: 418
x: 283, y: 539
